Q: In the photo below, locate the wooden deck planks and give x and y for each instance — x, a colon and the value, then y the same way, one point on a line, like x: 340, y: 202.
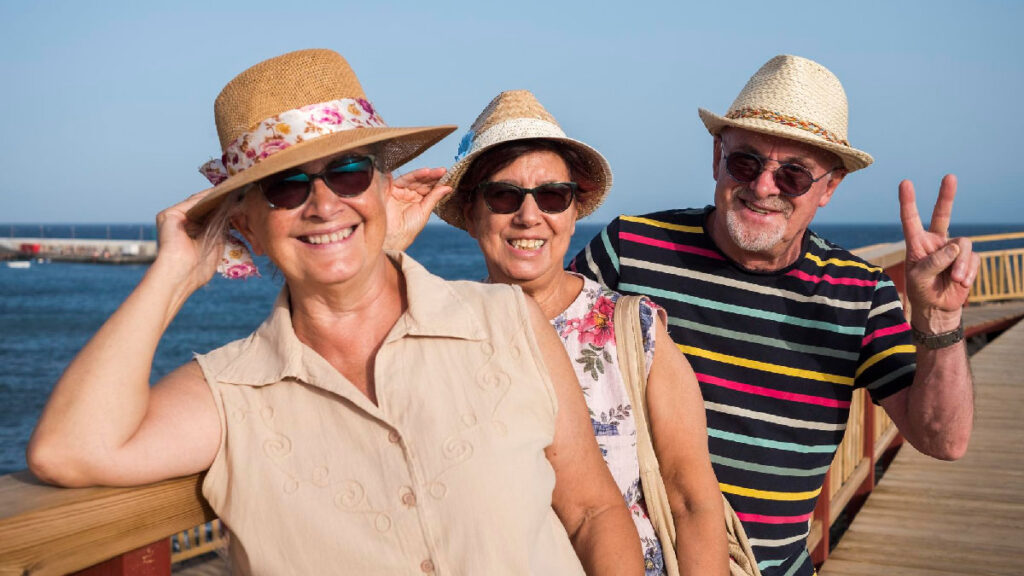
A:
x: 953, y: 518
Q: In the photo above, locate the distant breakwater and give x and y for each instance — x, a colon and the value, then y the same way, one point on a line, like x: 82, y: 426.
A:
x: 100, y: 251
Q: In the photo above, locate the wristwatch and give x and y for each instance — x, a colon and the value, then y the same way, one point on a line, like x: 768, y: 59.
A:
x: 940, y: 340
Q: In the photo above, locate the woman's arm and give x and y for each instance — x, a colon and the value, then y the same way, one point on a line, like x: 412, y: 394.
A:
x: 586, y: 498
x: 102, y: 423
x: 679, y: 432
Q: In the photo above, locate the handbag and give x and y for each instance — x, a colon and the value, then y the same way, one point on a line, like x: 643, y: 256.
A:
x: 629, y: 340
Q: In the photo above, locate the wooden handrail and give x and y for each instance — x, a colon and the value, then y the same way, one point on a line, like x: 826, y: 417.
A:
x: 49, y: 530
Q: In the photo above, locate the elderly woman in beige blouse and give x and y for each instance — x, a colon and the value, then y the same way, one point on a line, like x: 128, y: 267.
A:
x: 381, y: 420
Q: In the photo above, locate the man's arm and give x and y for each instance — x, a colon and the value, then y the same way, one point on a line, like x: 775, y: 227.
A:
x: 936, y: 413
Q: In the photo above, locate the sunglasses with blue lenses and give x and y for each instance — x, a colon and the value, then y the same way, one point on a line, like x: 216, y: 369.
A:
x: 347, y: 177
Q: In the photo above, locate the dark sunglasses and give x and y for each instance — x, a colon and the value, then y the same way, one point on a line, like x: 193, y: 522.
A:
x: 504, y: 198
x: 347, y: 177
x: 790, y: 179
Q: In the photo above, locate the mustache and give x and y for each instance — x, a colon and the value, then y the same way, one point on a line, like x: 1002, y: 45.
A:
x: 776, y: 203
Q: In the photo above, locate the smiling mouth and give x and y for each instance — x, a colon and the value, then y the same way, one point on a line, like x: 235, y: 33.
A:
x: 328, y: 238
x: 526, y: 243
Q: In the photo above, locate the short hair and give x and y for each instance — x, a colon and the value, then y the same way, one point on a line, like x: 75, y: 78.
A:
x: 499, y: 157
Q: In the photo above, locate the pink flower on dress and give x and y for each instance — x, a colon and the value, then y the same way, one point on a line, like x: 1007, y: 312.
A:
x: 596, y: 327
x: 270, y: 147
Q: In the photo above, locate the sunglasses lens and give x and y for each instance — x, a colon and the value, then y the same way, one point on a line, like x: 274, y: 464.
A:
x: 793, y: 180
x: 743, y: 167
x: 501, y: 198
x: 287, y: 193
x: 349, y: 176
x: 553, y: 198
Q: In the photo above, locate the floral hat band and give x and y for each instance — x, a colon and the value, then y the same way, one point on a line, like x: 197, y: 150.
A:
x: 288, y: 128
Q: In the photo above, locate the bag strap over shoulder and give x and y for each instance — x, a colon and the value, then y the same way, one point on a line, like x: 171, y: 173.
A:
x: 629, y: 341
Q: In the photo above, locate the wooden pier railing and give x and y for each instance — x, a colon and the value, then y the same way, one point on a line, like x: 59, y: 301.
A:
x: 119, y: 531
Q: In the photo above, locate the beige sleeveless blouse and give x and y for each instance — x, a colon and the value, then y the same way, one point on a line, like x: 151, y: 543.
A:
x: 447, y: 475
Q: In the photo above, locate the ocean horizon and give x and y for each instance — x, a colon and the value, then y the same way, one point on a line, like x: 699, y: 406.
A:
x: 50, y: 310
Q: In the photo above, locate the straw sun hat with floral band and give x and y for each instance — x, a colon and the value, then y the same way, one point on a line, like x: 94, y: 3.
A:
x: 294, y: 109
x: 517, y: 115
x: 797, y: 99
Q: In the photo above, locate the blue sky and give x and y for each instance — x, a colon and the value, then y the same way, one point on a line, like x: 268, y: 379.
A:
x: 108, y: 107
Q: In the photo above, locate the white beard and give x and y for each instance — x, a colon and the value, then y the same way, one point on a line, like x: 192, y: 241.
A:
x: 758, y: 241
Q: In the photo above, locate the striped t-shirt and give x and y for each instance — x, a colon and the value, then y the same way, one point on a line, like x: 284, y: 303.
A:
x: 777, y: 356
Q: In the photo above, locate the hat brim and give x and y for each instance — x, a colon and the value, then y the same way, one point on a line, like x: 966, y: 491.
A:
x: 451, y: 208
x: 852, y: 158
x: 397, y: 146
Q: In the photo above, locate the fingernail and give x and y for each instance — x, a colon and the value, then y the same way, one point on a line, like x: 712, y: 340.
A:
x: 952, y: 249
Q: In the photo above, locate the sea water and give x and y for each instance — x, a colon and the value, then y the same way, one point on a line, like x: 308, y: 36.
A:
x: 50, y: 310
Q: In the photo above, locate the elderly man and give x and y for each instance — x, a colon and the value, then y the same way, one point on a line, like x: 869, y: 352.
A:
x: 780, y: 324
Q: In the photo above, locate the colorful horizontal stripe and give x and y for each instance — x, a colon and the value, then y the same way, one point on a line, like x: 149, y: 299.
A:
x: 669, y: 245
x: 774, y: 444
x: 664, y: 225
x: 772, y: 418
x: 771, y: 393
x: 905, y: 349
x: 766, y: 469
x: 768, y: 494
x: 883, y: 332
x: 839, y: 262
x: 764, y: 340
x: 828, y: 278
x: 766, y: 366
x: 764, y: 519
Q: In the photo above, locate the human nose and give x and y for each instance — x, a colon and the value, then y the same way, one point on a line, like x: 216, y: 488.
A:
x: 322, y: 202
x: 528, y: 213
x: 764, y: 184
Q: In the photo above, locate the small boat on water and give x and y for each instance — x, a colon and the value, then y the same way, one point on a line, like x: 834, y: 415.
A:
x: 18, y: 263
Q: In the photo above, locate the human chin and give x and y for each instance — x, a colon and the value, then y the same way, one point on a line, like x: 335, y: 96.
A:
x: 752, y: 237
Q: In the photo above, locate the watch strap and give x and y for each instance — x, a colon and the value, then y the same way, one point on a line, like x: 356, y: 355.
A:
x: 940, y: 340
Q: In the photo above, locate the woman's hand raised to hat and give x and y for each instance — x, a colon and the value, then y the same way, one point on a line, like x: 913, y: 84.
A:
x: 939, y: 270
x: 410, y: 201
x: 181, y: 252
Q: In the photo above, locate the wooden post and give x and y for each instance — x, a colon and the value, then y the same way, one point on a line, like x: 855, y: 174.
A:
x: 151, y: 560
x: 822, y: 515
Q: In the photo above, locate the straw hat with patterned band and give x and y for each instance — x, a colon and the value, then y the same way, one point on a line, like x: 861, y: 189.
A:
x: 293, y: 109
x: 517, y: 115
x: 794, y: 98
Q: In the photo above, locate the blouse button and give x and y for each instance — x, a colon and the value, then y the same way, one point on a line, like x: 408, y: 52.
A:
x: 427, y: 567
x: 394, y: 437
x: 409, y: 499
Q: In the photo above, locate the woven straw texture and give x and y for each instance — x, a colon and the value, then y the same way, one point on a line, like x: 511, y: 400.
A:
x: 517, y: 115
x: 794, y: 98
x: 292, y: 81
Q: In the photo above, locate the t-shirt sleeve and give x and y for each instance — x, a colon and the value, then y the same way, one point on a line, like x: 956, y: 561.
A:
x: 887, y: 355
x: 599, y: 261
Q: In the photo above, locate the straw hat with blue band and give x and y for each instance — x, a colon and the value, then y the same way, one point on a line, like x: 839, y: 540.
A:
x: 517, y: 115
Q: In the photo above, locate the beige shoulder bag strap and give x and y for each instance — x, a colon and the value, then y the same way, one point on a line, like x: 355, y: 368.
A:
x: 630, y: 343
x: 629, y: 340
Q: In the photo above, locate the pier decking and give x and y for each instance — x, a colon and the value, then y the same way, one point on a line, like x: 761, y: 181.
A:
x: 949, y: 518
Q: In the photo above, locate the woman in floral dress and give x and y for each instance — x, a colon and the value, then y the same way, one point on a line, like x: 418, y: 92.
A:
x: 519, y: 186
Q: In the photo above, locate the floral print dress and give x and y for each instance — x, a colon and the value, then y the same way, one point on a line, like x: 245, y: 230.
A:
x: 587, y: 331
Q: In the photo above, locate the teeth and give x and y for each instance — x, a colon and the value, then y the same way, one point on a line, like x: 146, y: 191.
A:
x: 756, y: 209
x: 526, y: 244
x: 330, y: 238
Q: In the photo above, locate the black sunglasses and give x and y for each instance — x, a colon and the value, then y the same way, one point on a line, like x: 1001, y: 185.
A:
x: 347, y: 177
x: 504, y: 198
x: 790, y: 179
